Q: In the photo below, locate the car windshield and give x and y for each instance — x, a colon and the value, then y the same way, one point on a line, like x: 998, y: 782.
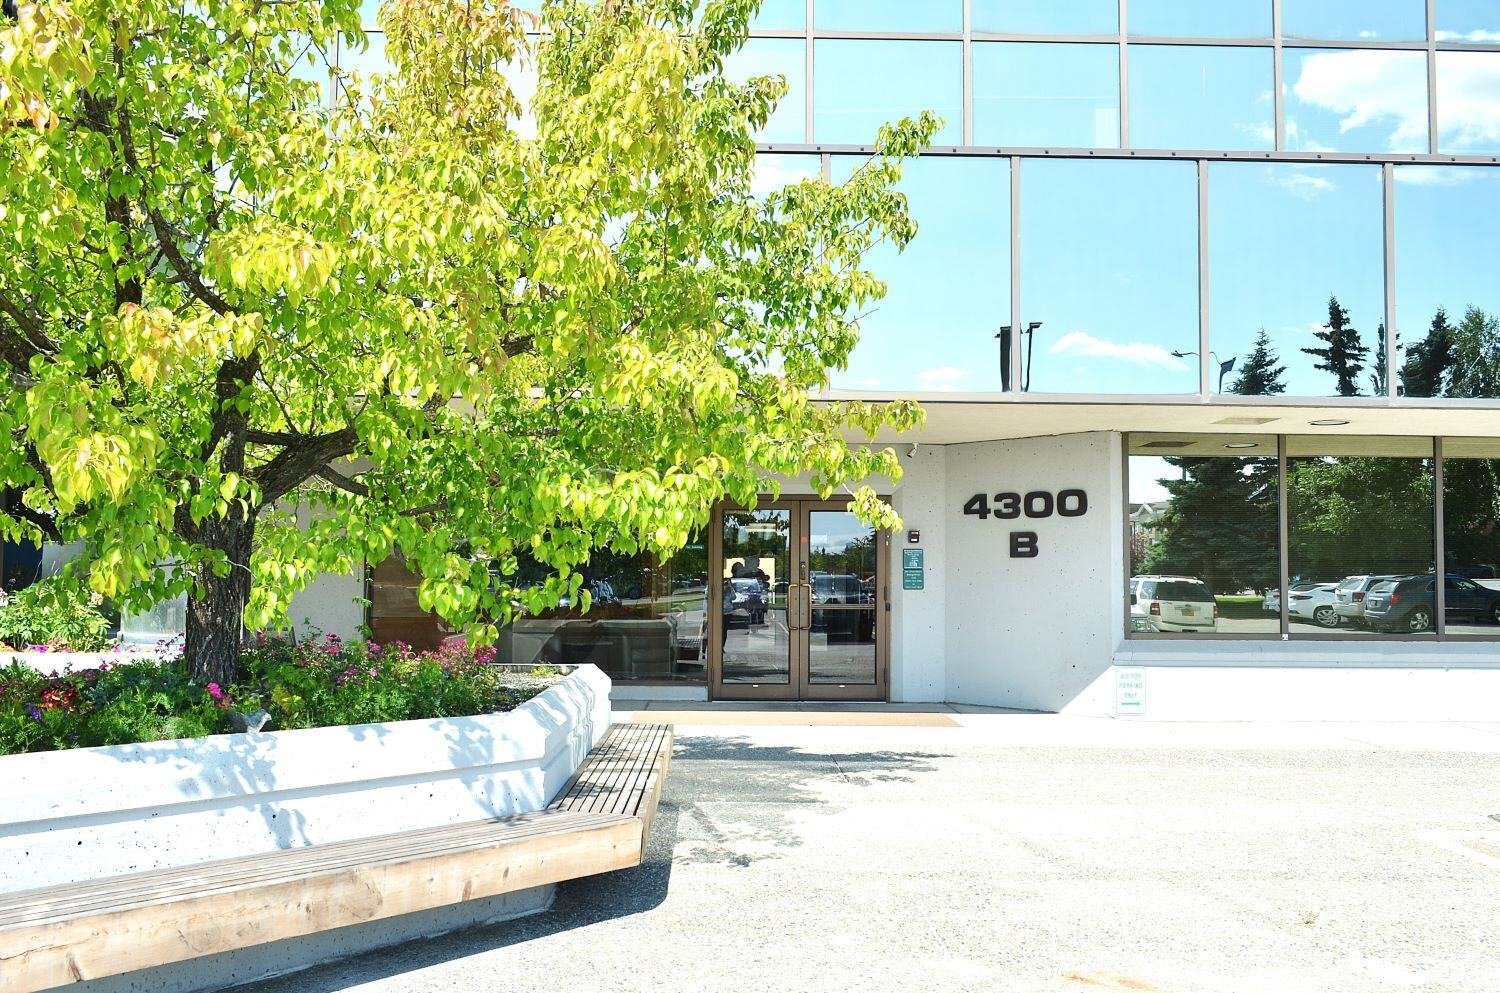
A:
x: 1385, y: 586
x: 1352, y: 583
x: 1183, y: 590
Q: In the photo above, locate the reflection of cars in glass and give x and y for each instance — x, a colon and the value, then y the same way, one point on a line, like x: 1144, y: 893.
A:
x: 744, y: 603
x: 1349, y: 595
x: 1401, y: 604
x: 1272, y: 602
x: 1409, y: 604
x: 828, y: 588
x: 1315, y: 603
x: 1175, y: 604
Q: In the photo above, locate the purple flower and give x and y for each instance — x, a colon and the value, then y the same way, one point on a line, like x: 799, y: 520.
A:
x: 36, y: 714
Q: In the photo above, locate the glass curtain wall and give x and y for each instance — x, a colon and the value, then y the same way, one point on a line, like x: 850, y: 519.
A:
x: 1383, y: 538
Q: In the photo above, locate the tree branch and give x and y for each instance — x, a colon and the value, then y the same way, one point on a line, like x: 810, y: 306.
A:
x: 342, y: 481
x: 299, y: 462
x: 182, y: 267
x: 25, y: 340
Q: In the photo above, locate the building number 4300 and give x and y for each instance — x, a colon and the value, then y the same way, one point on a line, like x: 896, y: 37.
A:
x: 1037, y: 505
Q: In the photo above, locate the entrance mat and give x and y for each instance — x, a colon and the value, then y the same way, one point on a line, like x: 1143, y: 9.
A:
x: 790, y: 718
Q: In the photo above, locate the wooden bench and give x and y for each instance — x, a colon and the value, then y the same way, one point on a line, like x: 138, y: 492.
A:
x: 599, y: 823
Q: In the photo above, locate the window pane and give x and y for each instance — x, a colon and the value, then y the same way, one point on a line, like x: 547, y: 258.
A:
x: 1360, y: 517
x: 1035, y: 94
x: 1447, y: 296
x: 1110, y: 268
x: 1200, y: 97
x: 1471, y: 535
x: 1196, y: 19
x: 786, y: 57
x: 780, y: 15
x: 888, y: 15
x: 1355, y: 20
x: 948, y: 293
x: 1046, y: 16
x: 1468, y: 102
x: 1204, y: 521
x: 1474, y: 21
x: 1288, y: 243
x: 752, y: 594
x: 772, y: 171
x: 864, y: 84
x: 1355, y: 100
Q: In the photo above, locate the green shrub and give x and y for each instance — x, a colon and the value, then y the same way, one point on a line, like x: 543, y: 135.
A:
x: 311, y: 684
x: 52, y: 615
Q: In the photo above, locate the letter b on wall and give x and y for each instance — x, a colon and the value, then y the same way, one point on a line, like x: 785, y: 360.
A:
x: 1023, y: 545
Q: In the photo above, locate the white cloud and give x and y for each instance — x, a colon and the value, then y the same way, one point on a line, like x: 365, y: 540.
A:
x: 1420, y: 175
x: 773, y: 174
x: 1083, y: 344
x: 1370, y: 87
x: 1468, y: 98
x: 1301, y: 184
x: 1478, y: 36
x: 943, y: 379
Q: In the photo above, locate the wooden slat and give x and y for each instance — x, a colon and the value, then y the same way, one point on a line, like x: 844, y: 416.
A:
x: 599, y: 822
x: 38, y: 956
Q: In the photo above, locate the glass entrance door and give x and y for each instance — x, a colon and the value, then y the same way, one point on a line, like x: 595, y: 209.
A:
x: 802, y: 604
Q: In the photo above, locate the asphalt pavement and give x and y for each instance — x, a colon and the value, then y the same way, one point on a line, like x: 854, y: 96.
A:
x: 944, y: 849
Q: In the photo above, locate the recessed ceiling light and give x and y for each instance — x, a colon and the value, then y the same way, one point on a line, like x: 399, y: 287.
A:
x: 1330, y: 422
x: 1242, y: 444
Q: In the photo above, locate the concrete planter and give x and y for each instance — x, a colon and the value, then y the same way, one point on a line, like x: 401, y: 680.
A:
x: 90, y: 813
x: 65, y: 662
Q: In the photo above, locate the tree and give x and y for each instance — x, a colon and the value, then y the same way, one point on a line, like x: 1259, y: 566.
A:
x: 1261, y: 373
x: 426, y: 327
x: 1429, y: 361
x: 1342, y: 353
x: 1378, y: 371
x: 1220, y: 525
x: 1476, y: 356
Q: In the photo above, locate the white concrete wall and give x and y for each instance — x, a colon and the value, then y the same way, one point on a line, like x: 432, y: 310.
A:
x: 1033, y: 633
x: 332, y: 604
x: 90, y: 813
x: 919, y: 617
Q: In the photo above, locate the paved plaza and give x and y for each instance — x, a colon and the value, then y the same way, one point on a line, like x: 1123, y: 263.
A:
x: 934, y: 848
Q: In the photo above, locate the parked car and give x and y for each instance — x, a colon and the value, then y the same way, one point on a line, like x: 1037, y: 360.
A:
x: 1272, y: 601
x: 1402, y: 605
x: 1178, y: 604
x: 1349, y: 595
x: 744, y: 603
x: 1314, y: 604
x: 1466, y: 599
x: 846, y: 589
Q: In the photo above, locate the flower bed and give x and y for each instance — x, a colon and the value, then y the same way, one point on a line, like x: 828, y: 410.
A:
x: 309, y: 684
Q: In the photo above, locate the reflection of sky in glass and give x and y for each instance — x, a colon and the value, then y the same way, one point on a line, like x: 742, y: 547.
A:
x: 1355, y: 100
x: 864, y: 84
x: 1146, y: 474
x: 785, y: 57
x: 1355, y: 20
x: 1200, y: 18
x: 1443, y: 258
x: 888, y: 15
x: 1046, y: 16
x: 1468, y: 102
x: 1468, y: 20
x: 780, y: 15
x: 1282, y: 240
x: 1035, y: 94
x: 1201, y: 97
x: 773, y: 171
x: 1110, y: 265
x: 949, y: 292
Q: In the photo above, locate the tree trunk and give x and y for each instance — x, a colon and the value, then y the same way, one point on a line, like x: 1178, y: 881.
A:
x: 216, y: 606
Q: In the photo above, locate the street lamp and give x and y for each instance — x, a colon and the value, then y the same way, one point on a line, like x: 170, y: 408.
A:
x: 1224, y: 367
x: 1004, y: 336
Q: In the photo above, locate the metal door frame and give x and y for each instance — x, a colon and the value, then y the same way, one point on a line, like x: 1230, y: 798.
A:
x: 798, y: 612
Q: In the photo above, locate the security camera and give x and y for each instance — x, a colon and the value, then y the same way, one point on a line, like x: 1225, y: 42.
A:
x: 911, y: 450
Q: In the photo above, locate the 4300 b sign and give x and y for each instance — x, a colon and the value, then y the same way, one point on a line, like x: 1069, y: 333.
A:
x: 1036, y: 505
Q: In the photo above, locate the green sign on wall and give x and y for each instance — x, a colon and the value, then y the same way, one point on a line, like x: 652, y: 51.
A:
x: 913, y: 579
x: 911, y: 558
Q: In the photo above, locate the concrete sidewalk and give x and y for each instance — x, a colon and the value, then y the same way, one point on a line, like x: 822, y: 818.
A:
x: 1025, y: 853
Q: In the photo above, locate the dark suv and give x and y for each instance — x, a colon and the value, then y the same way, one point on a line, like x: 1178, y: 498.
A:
x: 1408, y: 604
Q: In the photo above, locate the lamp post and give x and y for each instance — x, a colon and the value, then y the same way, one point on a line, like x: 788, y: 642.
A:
x: 1224, y: 367
x: 1005, y: 339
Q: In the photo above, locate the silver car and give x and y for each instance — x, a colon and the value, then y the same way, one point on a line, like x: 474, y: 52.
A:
x: 1349, y: 596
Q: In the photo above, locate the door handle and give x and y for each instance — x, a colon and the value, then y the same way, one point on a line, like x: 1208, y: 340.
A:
x: 805, y: 621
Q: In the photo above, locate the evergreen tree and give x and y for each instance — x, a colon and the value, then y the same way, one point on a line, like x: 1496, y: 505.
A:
x: 1378, y: 370
x: 1342, y: 354
x: 1261, y: 374
x: 1221, y: 524
x: 1429, y: 361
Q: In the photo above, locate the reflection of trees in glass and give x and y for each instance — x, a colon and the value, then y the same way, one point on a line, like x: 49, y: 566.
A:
x: 1428, y: 362
x: 1221, y: 524
x: 1342, y: 354
x: 855, y: 557
x: 1261, y: 373
x: 1476, y: 356
x: 1359, y: 515
x: 1471, y: 514
x: 1378, y: 370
